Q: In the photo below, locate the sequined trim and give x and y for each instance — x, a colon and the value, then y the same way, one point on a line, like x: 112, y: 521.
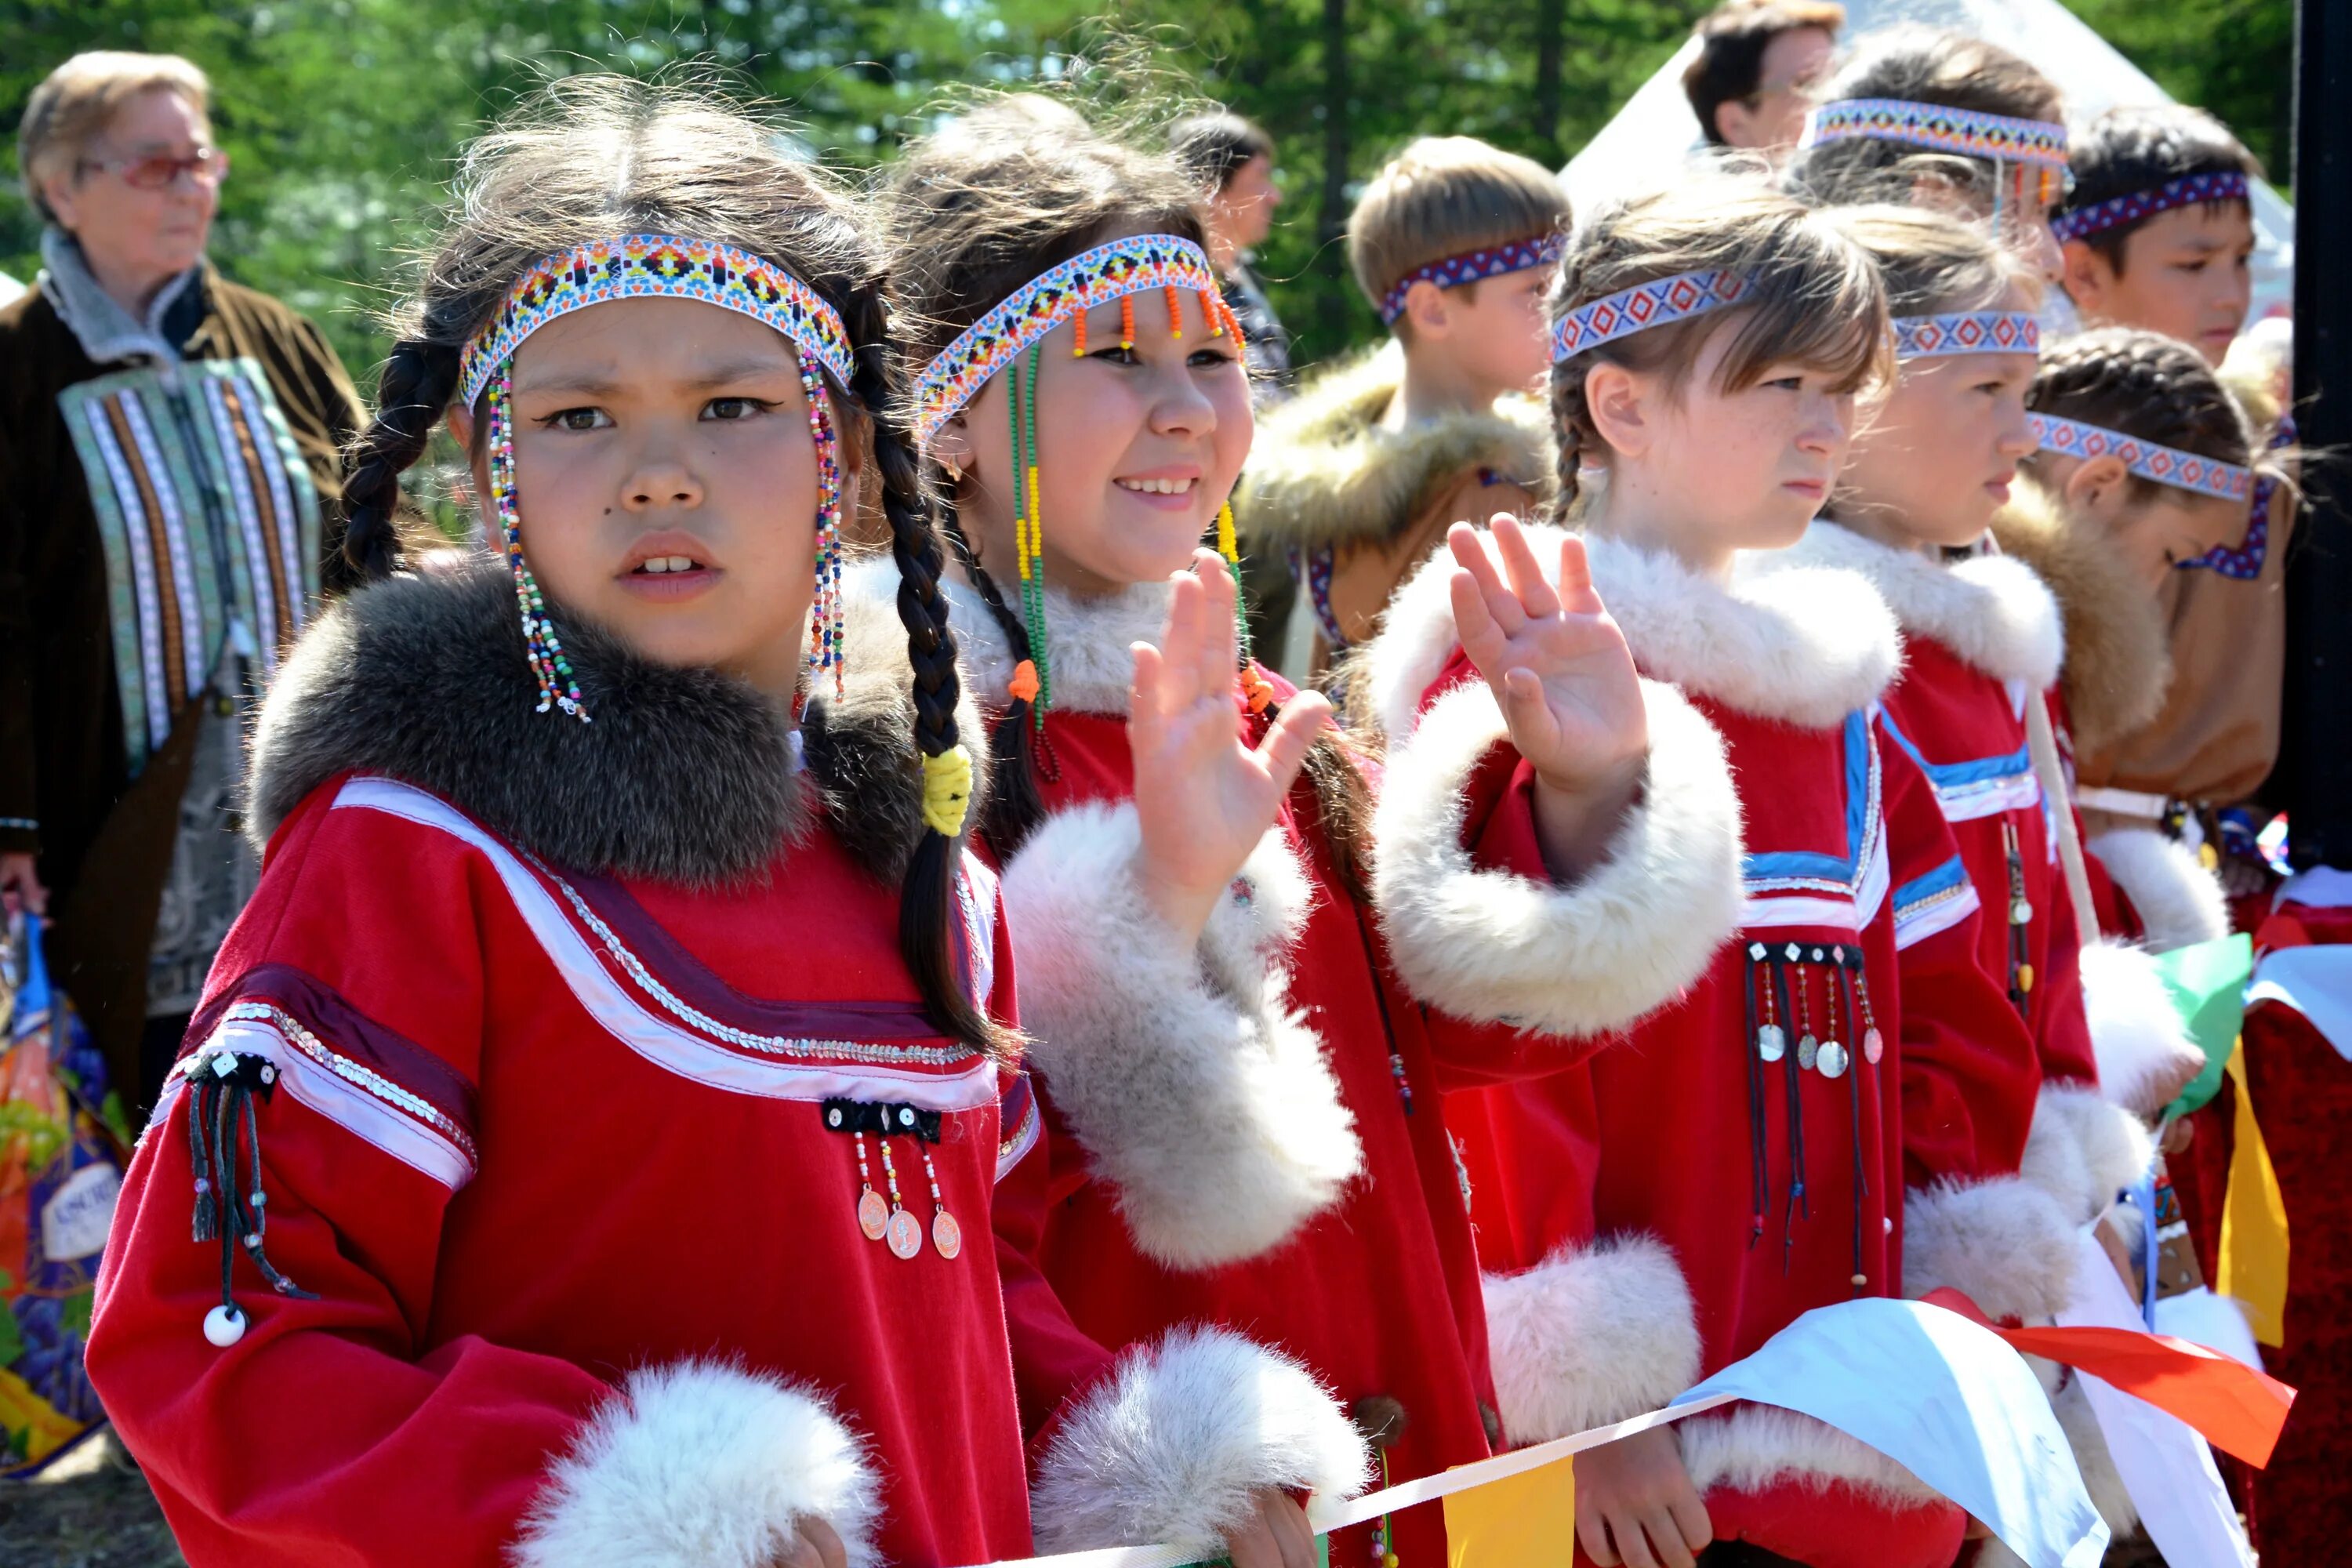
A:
x: 296, y: 1034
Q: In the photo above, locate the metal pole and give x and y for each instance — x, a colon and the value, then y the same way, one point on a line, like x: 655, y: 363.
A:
x: 2316, y: 763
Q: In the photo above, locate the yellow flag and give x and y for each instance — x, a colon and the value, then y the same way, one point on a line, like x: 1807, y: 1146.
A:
x: 1528, y: 1520
x: 2254, y: 1221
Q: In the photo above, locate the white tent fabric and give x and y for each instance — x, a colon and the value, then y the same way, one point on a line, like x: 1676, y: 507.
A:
x: 1644, y: 147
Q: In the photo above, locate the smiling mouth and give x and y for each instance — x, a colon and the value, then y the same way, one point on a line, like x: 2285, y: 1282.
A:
x: 1157, y: 487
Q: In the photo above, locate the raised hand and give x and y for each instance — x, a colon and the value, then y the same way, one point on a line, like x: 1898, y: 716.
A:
x: 1203, y: 797
x: 813, y: 1544
x: 1277, y: 1537
x: 1559, y: 668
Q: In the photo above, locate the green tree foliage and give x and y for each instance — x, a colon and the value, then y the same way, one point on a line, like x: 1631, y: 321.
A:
x: 342, y: 115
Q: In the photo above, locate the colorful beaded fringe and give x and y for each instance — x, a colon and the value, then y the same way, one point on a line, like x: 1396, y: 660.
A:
x: 1119, y: 270
x: 542, y: 647
x: 1643, y: 306
x: 1967, y: 332
x: 1028, y: 522
x: 1453, y: 271
x: 1996, y: 138
x: 2189, y: 190
x: 2165, y: 465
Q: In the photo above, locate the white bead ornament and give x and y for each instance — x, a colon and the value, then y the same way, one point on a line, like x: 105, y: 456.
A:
x: 224, y: 1326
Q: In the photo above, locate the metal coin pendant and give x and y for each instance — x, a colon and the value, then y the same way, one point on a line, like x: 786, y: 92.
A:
x: 906, y: 1234
x: 1873, y: 1046
x: 1808, y: 1048
x: 2021, y: 912
x: 947, y: 1235
x: 1770, y: 1043
x: 1833, y: 1060
x: 873, y: 1214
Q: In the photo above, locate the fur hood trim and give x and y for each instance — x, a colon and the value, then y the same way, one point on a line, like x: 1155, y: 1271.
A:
x: 2137, y: 1035
x: 2004, y: 1243
x: 1631, y: 935
x: 1756, y: 1447
x: 1171, y: 1447
x: 1198, y: 1092
x: 1591, y: 1335
x: 1990, y: 610
x: 2118, y: 660
x: 2083, y: 1151
x: 1803, y: 646
x: 1323, y: 471
x: 423, y: 678
x: 2179, y: 901
x: 701, y: 1465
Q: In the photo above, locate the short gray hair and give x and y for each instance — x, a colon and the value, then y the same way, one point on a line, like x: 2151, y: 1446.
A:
x: 74, y: 101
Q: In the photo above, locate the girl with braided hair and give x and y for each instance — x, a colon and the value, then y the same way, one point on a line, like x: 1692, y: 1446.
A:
x: 1750, y: 1146
x: 593, y: 1122
x: 1243, y: 1058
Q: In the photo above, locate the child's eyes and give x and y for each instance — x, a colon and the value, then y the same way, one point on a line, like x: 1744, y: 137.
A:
x: 1202, y: 357
x: 735, y: 409
x: 1786, y: 383
x: 1117, y: 354
x: 587, y: 419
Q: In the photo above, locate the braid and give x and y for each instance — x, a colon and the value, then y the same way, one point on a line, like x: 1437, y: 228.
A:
x: 417, y: 383
x: 1568, y: 421
x: 930, y: 918
x: 1015, y: 807
x: 2147, y: 385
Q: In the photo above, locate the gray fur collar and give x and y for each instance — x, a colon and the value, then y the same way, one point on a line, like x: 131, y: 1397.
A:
x: 1990, y: 610
x: 106, y: 331
x: 1323, y: 471
x: 686, y: 776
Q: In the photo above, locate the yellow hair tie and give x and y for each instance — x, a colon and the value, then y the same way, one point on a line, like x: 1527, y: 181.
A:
x: 947, y: 791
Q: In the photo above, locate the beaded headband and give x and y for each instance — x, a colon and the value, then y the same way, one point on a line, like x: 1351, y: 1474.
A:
x: 2221, y: 186
x: 1995, y: 137
x: 1967, y: 332
x: 648, y: 266
x: 2165, y: 465
x: 1453, y: 271
x: 1643, y: 306
x: 1119, y: 270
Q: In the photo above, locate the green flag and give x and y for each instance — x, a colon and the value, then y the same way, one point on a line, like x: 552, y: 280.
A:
x: 2208, y: 982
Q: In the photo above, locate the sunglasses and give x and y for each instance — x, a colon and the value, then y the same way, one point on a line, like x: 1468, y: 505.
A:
x: 205, y: 165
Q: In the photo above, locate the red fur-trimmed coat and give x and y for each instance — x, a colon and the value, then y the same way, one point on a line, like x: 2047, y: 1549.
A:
x: 1615, y: 1203
x: 1252, y: 1134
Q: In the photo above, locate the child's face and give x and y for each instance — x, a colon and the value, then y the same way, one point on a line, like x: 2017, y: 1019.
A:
x: 2153, y: 528
x: 1136, y: 448
x: 1934, y: 462
x: 675, y: 432
x: 1492, y: 332
x: 2185, y: 274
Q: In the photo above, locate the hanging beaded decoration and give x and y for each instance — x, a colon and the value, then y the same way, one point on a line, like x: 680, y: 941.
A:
x: 1472, y: 266
x: 2189, y: 190
x: 1778, y: 992
x: 2021, y: 917
x: 2165, y: 465
x: 645, y: 265
x: 1967, y: 332
x: 2039, y: 145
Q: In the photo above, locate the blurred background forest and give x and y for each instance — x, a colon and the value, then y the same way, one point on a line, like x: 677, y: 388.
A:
x: 342, y: 115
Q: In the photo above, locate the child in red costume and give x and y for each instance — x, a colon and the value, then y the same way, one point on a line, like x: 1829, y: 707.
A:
x: 1741, y: 1152
x: 1244, y: 1096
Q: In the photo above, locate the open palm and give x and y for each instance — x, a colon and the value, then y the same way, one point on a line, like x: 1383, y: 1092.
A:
x: 1203, y: 798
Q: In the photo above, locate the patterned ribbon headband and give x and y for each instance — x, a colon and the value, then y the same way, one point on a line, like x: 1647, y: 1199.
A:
x: 656, y: 266
x: 1967, y: 332
x: 1995, y: 137
x: 1119, y: 270
x: 2165, y: 465
x: 1453, y: 271
x: 1643, y: 306
x: 2221, y: 186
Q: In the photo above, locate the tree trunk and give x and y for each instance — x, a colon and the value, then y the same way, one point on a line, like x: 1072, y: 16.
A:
x: 1332, y: 310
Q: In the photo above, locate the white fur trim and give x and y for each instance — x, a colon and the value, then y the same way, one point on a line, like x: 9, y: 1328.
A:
x: 2083, y: 1150
x: 2177, y: 899
x: 1195, y: 1088
x: 1632, y: 933
x: 1090, y: 643
x: 1589, y: 1336
x: 1993, y: 611
x: 2136, y: 1034
x: 1171, y: 1447
x: 1757, y: 1445
x: 1806, y: 644
x: 697, y: 1464
x: 2004, y: 1242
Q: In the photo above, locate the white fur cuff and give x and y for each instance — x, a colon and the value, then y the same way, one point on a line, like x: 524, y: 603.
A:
x: 1589, y: 1336
x: 2004, y: 1243
x: 1195, y: 1090
x: 1627, y: 937
x: 2179, y: 901
x: 1174, y: 1445
x: 2137, y: 1035
x: 700, y: 1465
x: 2083, y: 1150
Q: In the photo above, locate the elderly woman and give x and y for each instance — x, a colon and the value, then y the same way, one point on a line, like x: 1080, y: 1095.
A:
x: 168, y: 490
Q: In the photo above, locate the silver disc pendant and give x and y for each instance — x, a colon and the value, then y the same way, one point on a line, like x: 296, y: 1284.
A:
x: 906, y: 1234
x: 1833, y: 1060
x: 1873, y: 1047
x: 1808, y: 1048
x: 2020, y: 913
x: 1770, y: 1043
x: 946, y: 1236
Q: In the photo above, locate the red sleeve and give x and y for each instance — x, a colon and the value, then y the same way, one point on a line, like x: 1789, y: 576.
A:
x: 357, y: 974
x: 1970, y: 1072
x: 2064, y: 1027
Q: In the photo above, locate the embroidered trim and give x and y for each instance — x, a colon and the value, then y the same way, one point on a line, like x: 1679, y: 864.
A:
x: 656, y: 266
x: 2188, y: 190
x: 1995, y: 137
x: 1801, y: 888
x: 2165, y: 465
x: 1019, y: 1108
x: 1967, y: 332
x: 1932, y: 903
x: 1471, y: 266
x: 1643, y: 306
x: 1984, y: 787
x: 1108, y: 273
x: 298, y: 1036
